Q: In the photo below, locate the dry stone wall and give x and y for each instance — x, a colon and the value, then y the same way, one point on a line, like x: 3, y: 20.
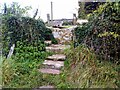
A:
x: 64, y: 36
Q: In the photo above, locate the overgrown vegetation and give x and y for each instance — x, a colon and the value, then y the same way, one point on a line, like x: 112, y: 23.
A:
x: 22, y: 69
x: 88, y: 65
x: 102, y: 32
x: 83, y: 70
x: 28, y: 35
x: 24, y: 29
x: 86, y: 8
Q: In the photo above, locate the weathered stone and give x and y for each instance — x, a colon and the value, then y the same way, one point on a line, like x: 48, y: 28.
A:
x: 48, y: 42
x: 50, y: 62
x: 49, y: 71
x: 61, y: 33
x: 53, y: 64
x: 47, y: 86
x: 57, y: 57
x: 57, y: 47
x: 60, y: 46
x: 52, y: 49
x: 50, y: 67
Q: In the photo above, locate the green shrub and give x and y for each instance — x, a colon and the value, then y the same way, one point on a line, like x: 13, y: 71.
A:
x: 102, y: 32
x: 22, y: 69
x: 49, y: 36
x: 24, y: 29
x: 20, y: 74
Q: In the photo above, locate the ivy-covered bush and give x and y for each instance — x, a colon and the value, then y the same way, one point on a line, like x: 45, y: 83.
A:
x: 24, y: 29
x: 28, y: 35
x: 21, y: 70
x: 49, y: 36
x: 102, y: 32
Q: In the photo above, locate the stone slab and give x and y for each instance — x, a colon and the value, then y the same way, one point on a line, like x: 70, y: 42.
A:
x: 53, y: 64
x: 57, y: 47
x: 54, y: 48
x: 48, y: 42
x: 57, y: 57
x: 49, y: 71
x: 60, y: 46
x: 47, y: 86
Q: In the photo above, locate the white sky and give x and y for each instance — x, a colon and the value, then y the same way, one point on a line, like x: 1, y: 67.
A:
x: 61, y: 8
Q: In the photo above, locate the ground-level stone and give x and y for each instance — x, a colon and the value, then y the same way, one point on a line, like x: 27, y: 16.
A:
x: 57, y: 57
x: 48, y: 42
x: 48, y: 87
x: 49, y: 71
x: 57, y: 47
x: 53, y: 64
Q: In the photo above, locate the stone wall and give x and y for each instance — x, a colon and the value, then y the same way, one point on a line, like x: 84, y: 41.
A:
x: 64, y: 36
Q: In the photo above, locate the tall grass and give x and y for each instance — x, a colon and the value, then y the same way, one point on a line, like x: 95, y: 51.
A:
x: 85, y: 71
x: 0, y: 71
x: 20, y: 75
x: 81, y: 70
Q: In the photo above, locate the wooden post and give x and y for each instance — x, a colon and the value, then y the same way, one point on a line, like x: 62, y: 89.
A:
x: 74, y: 19
x: 48, y: 19
x: 11, y: 51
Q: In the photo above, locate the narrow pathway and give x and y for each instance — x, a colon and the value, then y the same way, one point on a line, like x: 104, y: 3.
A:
x: 54, y: 63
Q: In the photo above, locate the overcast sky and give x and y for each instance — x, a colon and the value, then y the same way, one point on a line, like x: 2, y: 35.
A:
x: 61, y: 8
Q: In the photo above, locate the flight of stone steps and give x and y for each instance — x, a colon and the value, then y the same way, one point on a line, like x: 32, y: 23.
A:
x: 54, y: 63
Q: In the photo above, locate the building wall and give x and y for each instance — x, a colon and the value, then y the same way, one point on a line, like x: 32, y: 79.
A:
x: 59, y: 22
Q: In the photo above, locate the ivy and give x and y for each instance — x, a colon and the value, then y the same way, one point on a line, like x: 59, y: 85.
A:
x: 24, y: 29
x: 102, y: 33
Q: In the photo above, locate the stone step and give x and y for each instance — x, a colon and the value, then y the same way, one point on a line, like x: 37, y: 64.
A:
x: 57, y: 47
x: 60, y: 46
x: 48, y: 87
x: 57, y: 57
x: 48, y: 42
x: 53, y: 64
x: 49, y: 71
x: 50, y: 67
x: 56, y: 50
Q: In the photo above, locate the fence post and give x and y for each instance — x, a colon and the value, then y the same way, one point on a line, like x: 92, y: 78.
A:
x: 11, y: 51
